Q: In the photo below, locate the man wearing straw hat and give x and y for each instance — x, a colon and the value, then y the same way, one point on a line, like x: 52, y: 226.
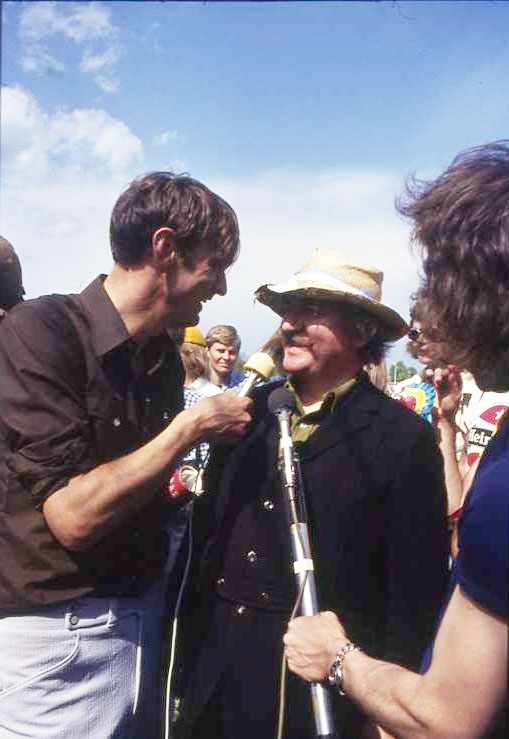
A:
x: 373, y: 481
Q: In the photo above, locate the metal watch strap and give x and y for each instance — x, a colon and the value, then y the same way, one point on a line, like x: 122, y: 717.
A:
x: 335, y: 677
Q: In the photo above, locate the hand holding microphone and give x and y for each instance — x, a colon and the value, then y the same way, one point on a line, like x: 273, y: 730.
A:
x: 258, y: 367
x: 227, y: 415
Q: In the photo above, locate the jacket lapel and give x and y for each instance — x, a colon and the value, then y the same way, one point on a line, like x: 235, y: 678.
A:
x: 353, y: 413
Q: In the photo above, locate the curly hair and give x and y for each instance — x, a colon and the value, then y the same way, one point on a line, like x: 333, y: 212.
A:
x: 193, y: 212
x: 461, y: 227
x: 420, y: 311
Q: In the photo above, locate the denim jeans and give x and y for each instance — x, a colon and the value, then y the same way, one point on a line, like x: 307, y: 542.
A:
x: 85, y: 669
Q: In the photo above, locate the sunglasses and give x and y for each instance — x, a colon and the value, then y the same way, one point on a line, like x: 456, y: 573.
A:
x: 414, y: 334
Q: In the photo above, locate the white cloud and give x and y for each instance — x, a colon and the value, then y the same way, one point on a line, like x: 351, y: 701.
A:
x: 164, y: 138
x: 78, y: 21
x: 37, y: 144
x: 61, y: 174
x: 37, y: 60
x: 88, y: 25
x: 97, y: 62
x: 107, y: 84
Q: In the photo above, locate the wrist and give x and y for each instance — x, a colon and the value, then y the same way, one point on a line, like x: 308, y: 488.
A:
x: 336, y: 672
x: 183, y: 432
x: 446, y: 414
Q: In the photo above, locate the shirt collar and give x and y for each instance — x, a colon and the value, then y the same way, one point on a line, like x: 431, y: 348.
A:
x: 327, y: 404
x: 107, y: 328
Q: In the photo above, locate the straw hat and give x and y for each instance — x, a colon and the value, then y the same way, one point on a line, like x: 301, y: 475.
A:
x: 193, y: 335
x: 331, y: 276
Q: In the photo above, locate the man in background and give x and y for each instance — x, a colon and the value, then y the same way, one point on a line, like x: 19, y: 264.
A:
x: 91, y: 425
x: 11, y: 281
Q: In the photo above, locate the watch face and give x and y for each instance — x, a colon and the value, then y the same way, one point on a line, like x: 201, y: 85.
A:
x: 335, y: 675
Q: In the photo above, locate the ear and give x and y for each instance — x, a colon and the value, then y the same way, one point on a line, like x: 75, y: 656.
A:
x: 163, y: 247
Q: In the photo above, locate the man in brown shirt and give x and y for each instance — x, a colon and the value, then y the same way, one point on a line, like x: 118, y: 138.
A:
x: 91, y: 422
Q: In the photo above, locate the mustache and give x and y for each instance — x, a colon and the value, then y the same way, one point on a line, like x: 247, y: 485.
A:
x: 295, y: 338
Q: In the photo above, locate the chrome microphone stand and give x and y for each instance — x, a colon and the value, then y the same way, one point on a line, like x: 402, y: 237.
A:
x: 281, y: 403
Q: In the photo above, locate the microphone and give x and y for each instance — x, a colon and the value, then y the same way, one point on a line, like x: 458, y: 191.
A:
x: 281, y: 403
x: 258, y: 367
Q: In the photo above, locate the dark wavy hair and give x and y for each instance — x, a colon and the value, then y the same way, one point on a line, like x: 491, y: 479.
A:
x: 194, y: 213
x: 461, y: 228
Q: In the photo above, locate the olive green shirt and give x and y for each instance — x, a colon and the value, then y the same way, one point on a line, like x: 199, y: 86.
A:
x: 306, y: 419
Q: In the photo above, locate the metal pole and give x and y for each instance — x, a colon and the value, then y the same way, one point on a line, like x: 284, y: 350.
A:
x: 303, y: 567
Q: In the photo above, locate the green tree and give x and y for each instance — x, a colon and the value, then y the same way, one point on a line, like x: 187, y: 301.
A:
x: 400, y: 371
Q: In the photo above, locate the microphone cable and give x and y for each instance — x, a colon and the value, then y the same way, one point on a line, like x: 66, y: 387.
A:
x: 283, y: 673
x: 178, y: 603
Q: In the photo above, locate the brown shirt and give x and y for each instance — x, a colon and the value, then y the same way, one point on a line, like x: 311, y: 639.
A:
x: 75, y: 392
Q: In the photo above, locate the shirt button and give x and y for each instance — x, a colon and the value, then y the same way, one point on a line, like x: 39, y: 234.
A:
x: 74, y: 620
x: 268, y: 505
x: 116, y: 422
x: 240, y: 610
x: 252, y: 557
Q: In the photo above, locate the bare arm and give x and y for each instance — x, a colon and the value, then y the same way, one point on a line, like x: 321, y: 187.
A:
x: 448, y: 383
x: 91, y: 504
x: 457, y: 698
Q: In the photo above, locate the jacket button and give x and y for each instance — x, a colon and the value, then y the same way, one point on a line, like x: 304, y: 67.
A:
x: 252, y: 557
x: 240, y: 610
x: 220, y: 582
x: 116, y: 422
x: 264, y: 595
x: 268, y: 505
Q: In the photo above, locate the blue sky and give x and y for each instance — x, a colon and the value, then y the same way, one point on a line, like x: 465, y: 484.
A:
x: 306, y: 116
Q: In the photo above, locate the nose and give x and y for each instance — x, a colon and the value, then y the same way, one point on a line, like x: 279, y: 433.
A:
x: 290, y: 322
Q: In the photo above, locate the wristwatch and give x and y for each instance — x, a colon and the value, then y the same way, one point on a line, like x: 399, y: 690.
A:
x: 335, y: 677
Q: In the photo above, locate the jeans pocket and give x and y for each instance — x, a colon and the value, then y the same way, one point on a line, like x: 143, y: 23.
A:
x: 28, y: 657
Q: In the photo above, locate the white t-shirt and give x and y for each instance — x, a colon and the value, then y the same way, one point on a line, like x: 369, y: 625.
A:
x: 479, y: 415
x: 205, y: 387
